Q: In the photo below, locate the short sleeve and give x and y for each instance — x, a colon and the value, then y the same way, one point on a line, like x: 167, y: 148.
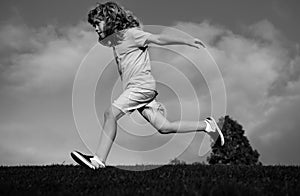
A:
x: 140, y: 37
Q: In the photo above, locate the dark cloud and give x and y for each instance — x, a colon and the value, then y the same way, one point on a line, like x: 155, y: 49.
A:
x: 289, y: 73
x: 277, y: 136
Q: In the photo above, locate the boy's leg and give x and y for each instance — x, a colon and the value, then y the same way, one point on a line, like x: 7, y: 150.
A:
x: 165, y: 127
x: 158, y: 121
x: 111, y: 116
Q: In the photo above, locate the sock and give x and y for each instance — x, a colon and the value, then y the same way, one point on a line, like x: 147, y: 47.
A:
x: 98, y: 161
x: 208, y: 127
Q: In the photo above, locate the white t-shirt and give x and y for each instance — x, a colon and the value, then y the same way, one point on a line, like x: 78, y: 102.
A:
x: 132, y: 57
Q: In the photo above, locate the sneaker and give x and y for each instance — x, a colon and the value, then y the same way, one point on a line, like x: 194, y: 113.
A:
x: 92, y: 162
x: 213, y: 130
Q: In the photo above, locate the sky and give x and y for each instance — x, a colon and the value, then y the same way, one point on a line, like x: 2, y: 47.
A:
x: 43, y: 45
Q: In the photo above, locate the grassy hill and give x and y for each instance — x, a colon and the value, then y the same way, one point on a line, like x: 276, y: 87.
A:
x: 165, y: 180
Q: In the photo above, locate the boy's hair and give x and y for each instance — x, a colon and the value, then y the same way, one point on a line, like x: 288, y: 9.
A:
x: 116, y: 18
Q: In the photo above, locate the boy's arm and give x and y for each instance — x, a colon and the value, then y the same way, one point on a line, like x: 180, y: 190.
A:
x: 163, y: 39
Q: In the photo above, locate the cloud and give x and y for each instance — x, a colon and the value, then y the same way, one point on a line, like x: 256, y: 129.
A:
x: 261, y: 73
x: 278, y: 133
x: 289, y: 73
x: 265, y: 31
x: 34, y: 57
x: 38, y: 66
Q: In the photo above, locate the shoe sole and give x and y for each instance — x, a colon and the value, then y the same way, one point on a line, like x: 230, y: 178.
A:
x: 78, y: 158
x: 219, y: 131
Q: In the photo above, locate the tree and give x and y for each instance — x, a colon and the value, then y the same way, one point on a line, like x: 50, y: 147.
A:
x: 176, y: 161
x: 237, y: 149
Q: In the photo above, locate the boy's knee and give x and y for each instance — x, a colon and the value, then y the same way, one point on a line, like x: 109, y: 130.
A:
x: 113, y: 113
x: 163, y: 131
x: 108, y: 114
x: 166, y: 128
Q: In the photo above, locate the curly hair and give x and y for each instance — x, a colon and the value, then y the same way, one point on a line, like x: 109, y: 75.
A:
x: 116, y: 18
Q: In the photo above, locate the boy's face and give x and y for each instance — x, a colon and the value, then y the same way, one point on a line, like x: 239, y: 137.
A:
x: 99, y: 27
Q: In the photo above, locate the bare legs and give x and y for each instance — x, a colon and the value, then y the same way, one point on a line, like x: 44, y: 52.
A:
x: 182, y: 127
x: 165, y: 127
x: 111, y: 116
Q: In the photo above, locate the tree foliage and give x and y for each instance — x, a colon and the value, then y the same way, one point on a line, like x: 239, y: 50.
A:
x: 177, y: 161
x: 237, y: 149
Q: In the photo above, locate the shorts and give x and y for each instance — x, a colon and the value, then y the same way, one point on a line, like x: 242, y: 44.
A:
x: 137, y: 98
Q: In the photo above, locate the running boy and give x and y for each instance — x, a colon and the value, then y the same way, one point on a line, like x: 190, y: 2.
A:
x: 120, y: 29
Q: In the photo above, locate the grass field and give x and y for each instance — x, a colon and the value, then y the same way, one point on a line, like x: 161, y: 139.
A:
x: 165, y: 180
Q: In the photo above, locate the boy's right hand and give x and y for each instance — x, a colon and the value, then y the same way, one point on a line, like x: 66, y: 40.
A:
x: 198, y: 42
